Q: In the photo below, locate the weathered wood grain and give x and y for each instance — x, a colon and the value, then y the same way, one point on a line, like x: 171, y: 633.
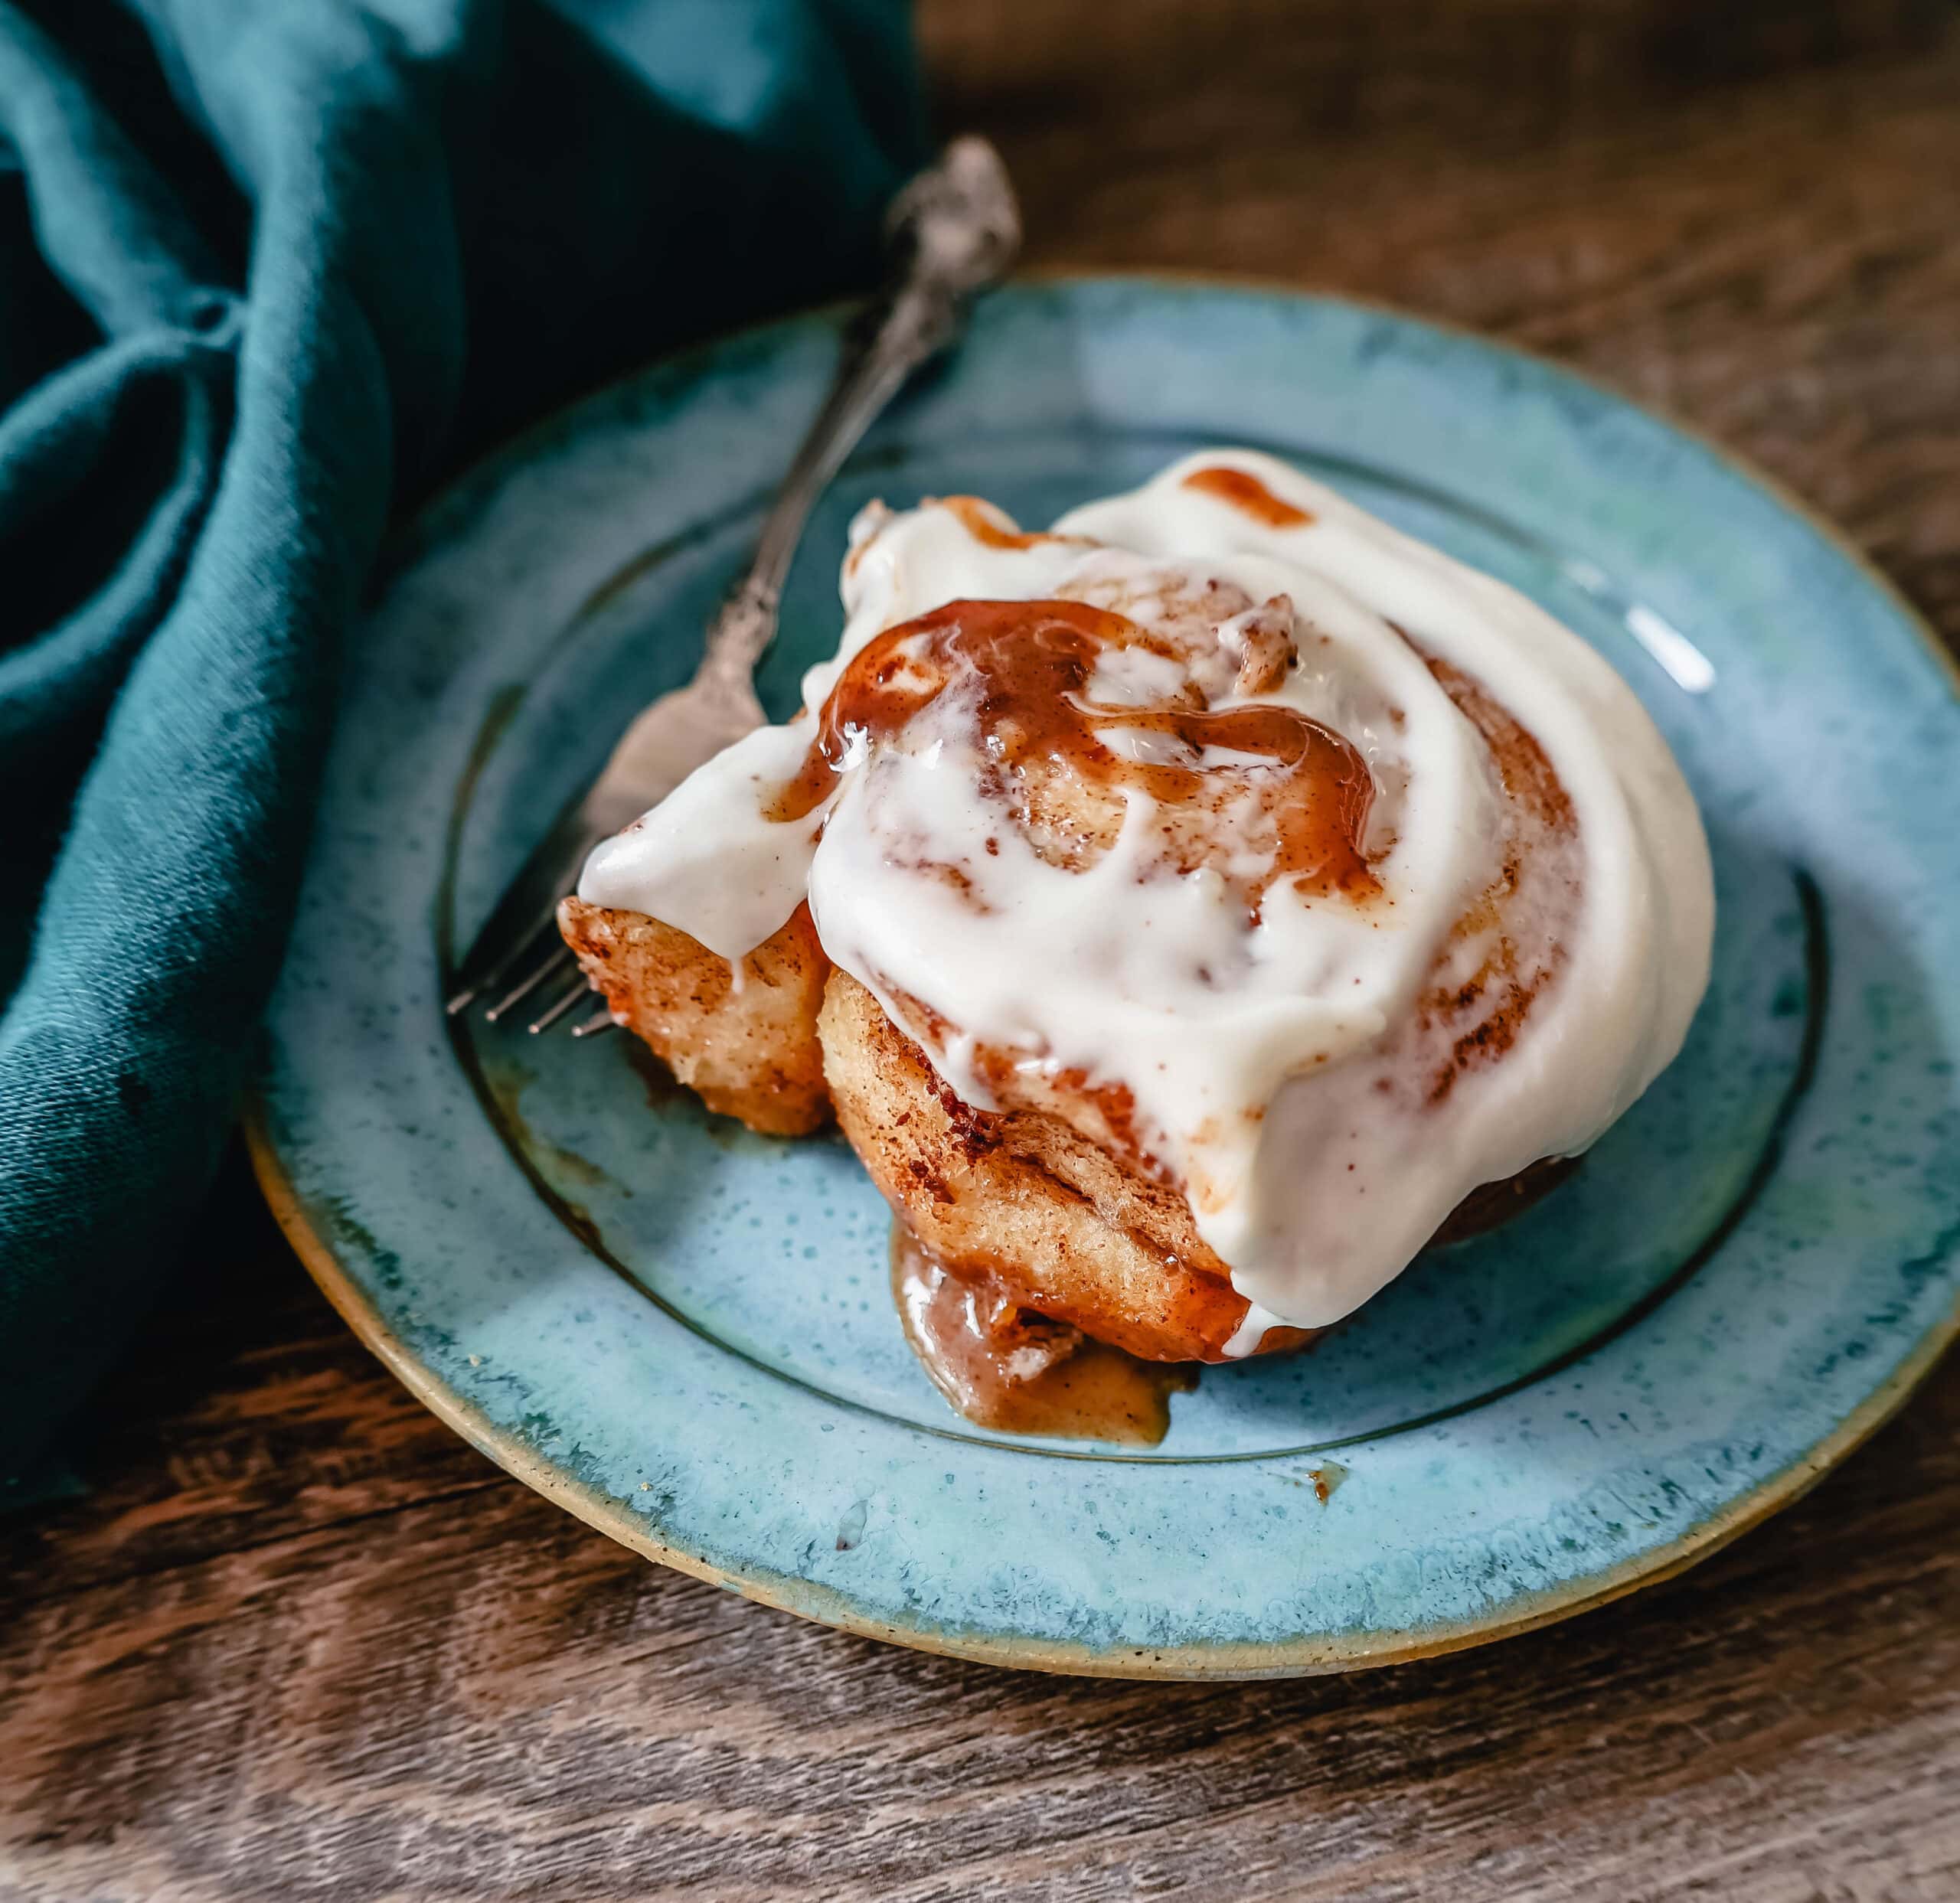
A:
x: 299, y: 1642
x: 1745, y: 216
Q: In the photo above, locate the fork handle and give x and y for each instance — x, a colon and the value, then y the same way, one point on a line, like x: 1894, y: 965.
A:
x: 952, y: 231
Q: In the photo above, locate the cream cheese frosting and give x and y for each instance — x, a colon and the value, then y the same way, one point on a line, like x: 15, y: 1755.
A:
x: 1265, y: 1053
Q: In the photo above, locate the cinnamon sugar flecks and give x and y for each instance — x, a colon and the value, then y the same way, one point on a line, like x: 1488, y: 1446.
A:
x: 1483, y: 1015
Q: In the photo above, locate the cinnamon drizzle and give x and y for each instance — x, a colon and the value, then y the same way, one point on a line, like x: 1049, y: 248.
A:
x: 1022, y: 673
x: 1247, y: 492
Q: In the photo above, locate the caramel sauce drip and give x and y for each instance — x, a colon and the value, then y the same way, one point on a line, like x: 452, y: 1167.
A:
x: 1248, y: 494
x: 1005, y: 1367
x: 978, y: 520
x: 1025, y: 669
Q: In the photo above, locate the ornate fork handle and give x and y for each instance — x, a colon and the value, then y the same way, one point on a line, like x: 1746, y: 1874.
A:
x: 954, y: 229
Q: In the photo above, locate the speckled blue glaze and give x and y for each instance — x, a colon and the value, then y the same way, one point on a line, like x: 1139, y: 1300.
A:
x: 683, y: 1331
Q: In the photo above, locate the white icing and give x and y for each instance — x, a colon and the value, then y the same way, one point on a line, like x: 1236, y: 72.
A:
x: 1253, y: 1055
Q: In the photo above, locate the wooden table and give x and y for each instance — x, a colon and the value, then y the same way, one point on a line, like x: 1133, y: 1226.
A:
x: 297, y: 1641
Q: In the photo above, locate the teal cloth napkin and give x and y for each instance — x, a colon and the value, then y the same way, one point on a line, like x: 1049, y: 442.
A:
x: 265, y: 269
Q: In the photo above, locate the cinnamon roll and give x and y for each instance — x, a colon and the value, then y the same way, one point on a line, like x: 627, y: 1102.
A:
x: 1188, y: 913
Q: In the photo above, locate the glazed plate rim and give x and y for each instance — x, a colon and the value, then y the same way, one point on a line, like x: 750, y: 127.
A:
x: 1196, y: 1658
x: 1224, y: 1660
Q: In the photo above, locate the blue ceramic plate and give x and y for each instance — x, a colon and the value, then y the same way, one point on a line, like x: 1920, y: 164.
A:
x: 683, y: 1332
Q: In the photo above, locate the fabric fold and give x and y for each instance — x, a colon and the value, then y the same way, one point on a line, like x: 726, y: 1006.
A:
x: 458, y: 212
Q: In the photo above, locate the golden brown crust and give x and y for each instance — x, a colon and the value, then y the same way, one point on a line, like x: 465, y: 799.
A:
x: 1023, y: 1198
x: 750, y: 1053
x: 1068, y: 1222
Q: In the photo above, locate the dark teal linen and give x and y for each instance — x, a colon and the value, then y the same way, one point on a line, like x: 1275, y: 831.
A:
x: 267, y: 266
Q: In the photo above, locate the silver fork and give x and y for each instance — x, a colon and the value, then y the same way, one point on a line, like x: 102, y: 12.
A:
x: 952, y: 231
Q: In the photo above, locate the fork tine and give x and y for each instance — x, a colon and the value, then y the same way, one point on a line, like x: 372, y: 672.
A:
x: 578, y: 987
x: 532, y: 945
x: 555, y: 961
x: 601, y: 1022
x: 528, y: 909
